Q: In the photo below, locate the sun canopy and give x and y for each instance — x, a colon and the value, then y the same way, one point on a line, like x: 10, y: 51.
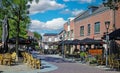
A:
x: 91, y: 41
x: 79, y: 42
x: 115, y: 35
x: 20, y: 39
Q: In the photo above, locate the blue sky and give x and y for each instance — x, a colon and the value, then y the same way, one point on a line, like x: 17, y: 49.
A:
x: 48, y: 16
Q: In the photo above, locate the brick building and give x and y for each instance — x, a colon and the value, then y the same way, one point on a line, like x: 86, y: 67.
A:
x: 91, y: 24
x: 69, y: 30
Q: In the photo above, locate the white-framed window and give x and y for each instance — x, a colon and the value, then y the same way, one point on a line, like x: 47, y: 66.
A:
x: 50, y: 39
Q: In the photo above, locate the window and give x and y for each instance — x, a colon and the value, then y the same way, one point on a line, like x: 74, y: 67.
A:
x: 97, y: 28
x: 56, y: 39
x: 50, y: 39
x: 82, y: 31
x: 88, y: 29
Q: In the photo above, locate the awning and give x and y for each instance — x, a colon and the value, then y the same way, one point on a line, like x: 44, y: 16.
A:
x: 70, y: 42
x: 67, y: 42
x: 79, y: 42
x: 91, y: 41
x: 115, y: 35
x: 75, y: 42
x: 21, y: 40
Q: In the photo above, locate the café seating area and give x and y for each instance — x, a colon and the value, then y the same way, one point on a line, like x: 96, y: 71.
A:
x: 113, y: 62
x: 7, y: 58
x: 31, y: 61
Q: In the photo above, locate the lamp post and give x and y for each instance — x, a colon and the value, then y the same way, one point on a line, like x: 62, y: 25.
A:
x: 62, y: 38
x: 107, y: 24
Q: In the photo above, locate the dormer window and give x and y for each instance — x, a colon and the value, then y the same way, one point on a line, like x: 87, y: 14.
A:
x: 92, y: 9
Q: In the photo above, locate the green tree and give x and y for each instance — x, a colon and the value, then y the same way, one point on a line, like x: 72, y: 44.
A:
x: 37, y: 36
x: 0, y: 31
x: 17, y: 12
x: 112, y: 4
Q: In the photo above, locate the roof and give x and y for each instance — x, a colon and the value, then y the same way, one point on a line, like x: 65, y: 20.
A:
x: 61, y: 31
x: 50, y: 34
x: 87, y: 14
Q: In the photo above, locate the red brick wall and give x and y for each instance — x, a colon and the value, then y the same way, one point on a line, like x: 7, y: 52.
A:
x: 72, y: 25
x: 65, y: 26
x: 101, y: 17
x: 118, y: 18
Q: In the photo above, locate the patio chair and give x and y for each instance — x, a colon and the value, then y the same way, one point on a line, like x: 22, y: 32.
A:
x: 37, y: 63
x: 116, y: 64
x: 7, y: 59
x: 100, y: 60
x: 32, y: 62
x: 110, y: 60
x: 24, y: 57
x: 13, y: 56
x: 1, y: 59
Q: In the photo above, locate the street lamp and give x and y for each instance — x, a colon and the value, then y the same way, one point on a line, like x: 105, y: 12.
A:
x: 107, y: 24
x: 62, y: 38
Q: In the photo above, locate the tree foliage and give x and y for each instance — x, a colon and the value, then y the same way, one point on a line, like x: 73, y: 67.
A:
x: 17, y: 13
x: 112, y: 4
x: 37, y: 36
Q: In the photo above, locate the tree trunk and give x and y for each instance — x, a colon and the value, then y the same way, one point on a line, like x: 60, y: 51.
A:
x: 17, y: 37
x: 5, y: 34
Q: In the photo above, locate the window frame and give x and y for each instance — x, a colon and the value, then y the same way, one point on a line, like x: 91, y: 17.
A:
x: 97, y: 28
x: 81, y: 30
x: 89, y: 29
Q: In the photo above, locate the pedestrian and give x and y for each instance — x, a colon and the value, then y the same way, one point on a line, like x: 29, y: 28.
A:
x: 82, y: 56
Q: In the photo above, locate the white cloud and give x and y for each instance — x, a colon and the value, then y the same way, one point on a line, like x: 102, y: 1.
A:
x: 54, y: 24
x: 66, y: 11
x: 86, y: 1
x: 71, y: 18
x: 66, y: 0
x: 36, y: 25
x: 72, y: 12
x: 81, y: 1
x: 75, y: 12
x: 44, y: 5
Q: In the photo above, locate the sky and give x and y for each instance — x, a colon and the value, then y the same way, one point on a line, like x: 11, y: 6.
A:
x: 49, y: 16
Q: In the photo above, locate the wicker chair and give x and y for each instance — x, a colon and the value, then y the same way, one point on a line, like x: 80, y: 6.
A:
x: 116, y: 64
x: 7, y: 59
x: 1, y: 59
x: 37, y: 63
x: 13, y: 56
